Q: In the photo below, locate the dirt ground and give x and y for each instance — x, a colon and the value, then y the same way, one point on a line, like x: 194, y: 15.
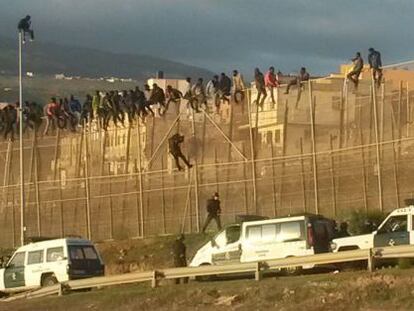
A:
x: 389, y: 289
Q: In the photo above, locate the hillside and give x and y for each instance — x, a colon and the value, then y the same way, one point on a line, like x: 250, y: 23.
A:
x: 49, y: 58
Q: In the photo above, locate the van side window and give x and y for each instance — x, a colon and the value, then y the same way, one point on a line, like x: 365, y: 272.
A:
x: 269, y: 232
x: 254, y: 233
x: 232, y: 234
x: 18, y: 260
x: 35, y: 257
x: 291, y: 231
x: 54, y: 254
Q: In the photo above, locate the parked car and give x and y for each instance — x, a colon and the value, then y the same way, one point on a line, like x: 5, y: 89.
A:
x: 261, y: 240
x: 49, y: 262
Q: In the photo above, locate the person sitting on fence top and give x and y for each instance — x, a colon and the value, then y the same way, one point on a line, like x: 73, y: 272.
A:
x: 10, y: 120
x: 96, y: 99
x: 358, y: 65
x: 187, y: 89
x: 260, y: 87
x: 375, y: 63
x: 158, y: 97
x: 224, y: 87
x: 51, y: 112
x: 24, y: 27
x: 199, y: 94
x: 238, y: 86
x: 301, y: 77
x: 175, y: 142
x: 271, y: 82
x: 212, y: 91
x: 173, y: 95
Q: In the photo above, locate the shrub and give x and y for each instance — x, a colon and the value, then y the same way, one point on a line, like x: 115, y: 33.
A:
x: 363, y: 222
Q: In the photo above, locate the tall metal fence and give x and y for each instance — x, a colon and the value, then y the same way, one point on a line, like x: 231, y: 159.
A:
x: 326, y: 148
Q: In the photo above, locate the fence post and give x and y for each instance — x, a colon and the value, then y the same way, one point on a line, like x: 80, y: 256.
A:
x: 302, y: 167
x: 273, y: 178
x: 164, y: 223
x: 371, y: 260
x: 252, y: 150
x: 154, y: 280
x: 246, y: 204
x: 87, y: 187
x: 315, y: 167
x: 377, y: 146
x: 258, y: 273
x: 395, y: 166
x: 36, y: 185
x: 140, y: 215
x: 364, y: 173
x: 197, y: 203
x: 111, y: 212
x: 333, y: 183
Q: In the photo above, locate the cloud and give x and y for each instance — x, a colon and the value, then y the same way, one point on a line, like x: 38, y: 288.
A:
x: 226, y: 34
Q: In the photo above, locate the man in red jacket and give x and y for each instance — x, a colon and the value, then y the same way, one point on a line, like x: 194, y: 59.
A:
x: 271, y: 82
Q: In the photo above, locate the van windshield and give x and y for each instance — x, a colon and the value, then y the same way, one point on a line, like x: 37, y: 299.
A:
x: 80, y: 252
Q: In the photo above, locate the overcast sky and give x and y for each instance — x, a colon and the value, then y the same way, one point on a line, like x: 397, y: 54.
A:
x: 226, y: 34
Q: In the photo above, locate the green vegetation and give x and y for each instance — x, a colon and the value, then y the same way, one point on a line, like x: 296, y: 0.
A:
x: 362, y: 222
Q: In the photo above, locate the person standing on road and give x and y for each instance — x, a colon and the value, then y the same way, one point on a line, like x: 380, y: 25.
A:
x: 213, y: 211
x: 178, y: 253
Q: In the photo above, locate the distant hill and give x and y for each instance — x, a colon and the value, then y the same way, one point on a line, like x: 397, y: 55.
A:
x: 50, y: 58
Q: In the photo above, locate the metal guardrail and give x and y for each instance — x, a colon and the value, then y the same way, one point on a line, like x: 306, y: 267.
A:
x: 370, y: 255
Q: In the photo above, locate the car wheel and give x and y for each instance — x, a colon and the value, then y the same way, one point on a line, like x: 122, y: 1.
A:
x: 49, y: 280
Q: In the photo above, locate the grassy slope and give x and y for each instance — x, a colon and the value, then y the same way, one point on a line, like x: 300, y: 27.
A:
x: 145, y: 254
x: 383, y: 290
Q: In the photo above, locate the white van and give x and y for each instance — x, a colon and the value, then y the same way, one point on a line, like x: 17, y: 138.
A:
x: 267, y: 239
x: 49, y: 262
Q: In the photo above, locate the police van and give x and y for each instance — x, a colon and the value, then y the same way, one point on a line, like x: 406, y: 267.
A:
x: 396, y: 229
x: 260, y: 240
x: 49, y: 262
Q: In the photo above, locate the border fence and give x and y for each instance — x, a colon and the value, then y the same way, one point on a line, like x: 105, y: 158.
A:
x: 325, y: 148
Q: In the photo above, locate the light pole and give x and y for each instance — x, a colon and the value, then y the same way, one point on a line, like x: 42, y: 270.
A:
x: 22, y: 199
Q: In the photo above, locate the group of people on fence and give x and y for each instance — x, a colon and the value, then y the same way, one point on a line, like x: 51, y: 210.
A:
x: 117, y: 106
x: 375, y: 64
